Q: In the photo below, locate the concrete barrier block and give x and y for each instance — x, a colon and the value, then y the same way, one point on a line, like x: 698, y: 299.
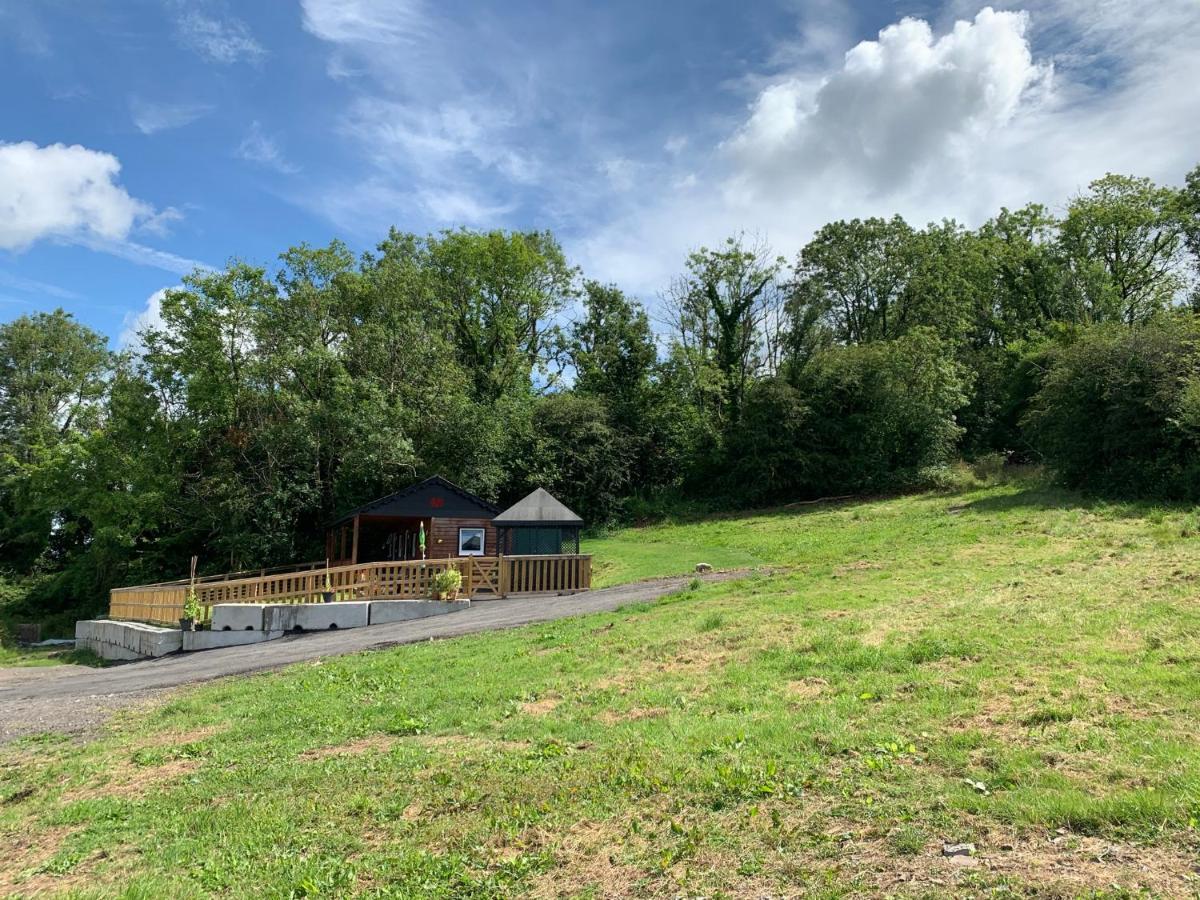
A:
x: 210, y: 640
x: 281, y: 617
x: 238, y: 617
x: 324, y: 616
x: 384, y: 611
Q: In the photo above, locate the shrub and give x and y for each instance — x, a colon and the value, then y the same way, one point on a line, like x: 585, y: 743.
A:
x: 1119, y: 410
x: 989, y: 466
x: 860, y: 418
x: 447, y: 581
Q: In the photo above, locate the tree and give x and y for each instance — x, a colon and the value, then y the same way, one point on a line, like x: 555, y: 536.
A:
x: 855, y: 273
x: 498, y: 293
x: 1028, y: 272
x: 726, y: 312
x: 1123, y: 240
x: 576, y: 454
x: 53, y: 376
x: 1189, y: 202
x: 612, y: 351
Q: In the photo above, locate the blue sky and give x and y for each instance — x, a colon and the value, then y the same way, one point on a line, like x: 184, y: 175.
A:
x: 141, y: 138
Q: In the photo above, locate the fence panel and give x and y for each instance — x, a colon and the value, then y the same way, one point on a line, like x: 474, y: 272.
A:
x: 487, y: 575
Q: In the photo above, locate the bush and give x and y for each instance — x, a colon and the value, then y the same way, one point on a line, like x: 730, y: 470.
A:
x: 446, y: 581
x: 989, y: 466
x: 1119, y: 410
x: 856, y: 419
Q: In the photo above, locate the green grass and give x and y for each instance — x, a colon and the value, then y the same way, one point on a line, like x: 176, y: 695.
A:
x: 1011, y: 667
x: 47, y: 656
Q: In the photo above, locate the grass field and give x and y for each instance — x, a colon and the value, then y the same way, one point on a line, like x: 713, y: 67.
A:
x: 1010, y: 667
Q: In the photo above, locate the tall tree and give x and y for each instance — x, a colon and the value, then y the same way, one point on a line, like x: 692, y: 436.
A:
x: 1123, y: 239
x: 53, y: 376
x: 1189, y: 201
x: 856, y: 273
x: 727, y: 314
x: 612, y: 351
x: 499, y: 293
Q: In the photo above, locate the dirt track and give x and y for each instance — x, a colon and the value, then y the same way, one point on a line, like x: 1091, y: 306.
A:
x: 75, y: 698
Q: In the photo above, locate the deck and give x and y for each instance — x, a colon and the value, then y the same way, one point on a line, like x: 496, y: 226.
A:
x: 482, y: 576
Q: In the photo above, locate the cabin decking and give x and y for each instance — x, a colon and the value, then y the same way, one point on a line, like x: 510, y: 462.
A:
x: 482, y: 576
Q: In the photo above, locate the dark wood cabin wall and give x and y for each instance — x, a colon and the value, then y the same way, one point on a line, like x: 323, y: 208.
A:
x: 445, y: 531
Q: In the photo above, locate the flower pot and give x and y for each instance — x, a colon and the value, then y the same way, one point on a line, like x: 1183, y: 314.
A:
x: 327, y: 596
x: 186, y: 624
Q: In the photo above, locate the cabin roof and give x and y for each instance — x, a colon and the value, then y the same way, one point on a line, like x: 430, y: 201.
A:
x: 539, y: 508
x: 435, y: 497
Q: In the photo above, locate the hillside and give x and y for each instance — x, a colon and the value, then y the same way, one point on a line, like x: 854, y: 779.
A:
x: 1011, y: 667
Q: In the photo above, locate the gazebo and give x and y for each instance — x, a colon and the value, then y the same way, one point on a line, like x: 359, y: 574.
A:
x: 538, y: 525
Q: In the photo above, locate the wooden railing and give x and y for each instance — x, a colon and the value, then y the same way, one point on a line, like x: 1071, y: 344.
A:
x: 483, y: 576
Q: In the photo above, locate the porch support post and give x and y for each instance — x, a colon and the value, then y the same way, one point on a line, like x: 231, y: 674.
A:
x: 354, y: 545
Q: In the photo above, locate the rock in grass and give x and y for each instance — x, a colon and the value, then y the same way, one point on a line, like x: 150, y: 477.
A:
x: 703, y: 568
x: 958, y: 849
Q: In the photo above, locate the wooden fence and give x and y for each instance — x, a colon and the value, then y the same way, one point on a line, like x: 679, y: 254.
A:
x: 483, y: 576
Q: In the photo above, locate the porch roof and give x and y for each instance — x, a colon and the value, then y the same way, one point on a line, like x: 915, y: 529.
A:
x: 539, y: 508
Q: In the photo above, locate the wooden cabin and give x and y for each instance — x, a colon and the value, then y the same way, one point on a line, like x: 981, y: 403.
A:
x: 455, y: 523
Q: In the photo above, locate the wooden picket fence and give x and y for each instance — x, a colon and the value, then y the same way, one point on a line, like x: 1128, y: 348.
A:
x: 482, y: 576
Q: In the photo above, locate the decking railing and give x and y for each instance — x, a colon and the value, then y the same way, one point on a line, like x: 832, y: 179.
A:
x: 482, y: 576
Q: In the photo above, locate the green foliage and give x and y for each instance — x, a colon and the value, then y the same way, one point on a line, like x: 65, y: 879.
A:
x: 1118, y: 409
x: 446, y: 581
x: 861, y: 418
x: 269, y: 401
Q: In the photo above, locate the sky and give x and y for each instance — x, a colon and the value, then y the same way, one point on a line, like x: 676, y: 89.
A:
x: 142, y: 138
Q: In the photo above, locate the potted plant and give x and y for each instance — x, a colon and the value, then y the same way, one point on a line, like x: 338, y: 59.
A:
x: 192, y: 611
x: 327, y: 595
x: 445, y: 584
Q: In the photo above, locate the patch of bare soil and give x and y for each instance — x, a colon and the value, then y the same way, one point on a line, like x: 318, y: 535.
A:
x: 376, y: 742
x: 25, y: 852
x: 613, y: 717
x: 178, y: 738
x: 806, y: 688
x: 588, y: 861
x: 130, y: 779
x: 1059, y: 866
x: 542, y: 707
x: 860, y: 565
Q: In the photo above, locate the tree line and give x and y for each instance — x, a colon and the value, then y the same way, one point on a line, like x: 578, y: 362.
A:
x: 267, y: 402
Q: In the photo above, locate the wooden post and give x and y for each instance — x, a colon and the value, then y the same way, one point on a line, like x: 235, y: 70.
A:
x: 354, y: 546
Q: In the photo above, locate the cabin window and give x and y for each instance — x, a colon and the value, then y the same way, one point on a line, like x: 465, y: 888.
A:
x: 470, y: 541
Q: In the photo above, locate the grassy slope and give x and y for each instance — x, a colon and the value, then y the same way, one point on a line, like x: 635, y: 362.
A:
x: 1007, y: 667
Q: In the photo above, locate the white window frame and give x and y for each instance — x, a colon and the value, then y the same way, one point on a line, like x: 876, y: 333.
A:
x: 471, y: 532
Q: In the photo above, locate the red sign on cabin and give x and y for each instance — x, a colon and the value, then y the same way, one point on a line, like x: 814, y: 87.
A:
x: 437, y: 502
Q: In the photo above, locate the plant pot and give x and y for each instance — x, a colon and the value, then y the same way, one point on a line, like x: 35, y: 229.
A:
x: 327, y: 596
x: 186, y: 624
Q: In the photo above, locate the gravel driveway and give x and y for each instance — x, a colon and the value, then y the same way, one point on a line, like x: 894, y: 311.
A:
x: 75, y: 698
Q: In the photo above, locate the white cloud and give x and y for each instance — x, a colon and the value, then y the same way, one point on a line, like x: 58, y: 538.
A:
x: 898, y: 104
x: 32, y: 286
x: 258, y: 147
x: 151, y: 117
x: 142, y: 255
x: 221, y: 39
x: 1001, y: 108
x: 149, y: 316
x: 363, y: 21
x: 70, y: 193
